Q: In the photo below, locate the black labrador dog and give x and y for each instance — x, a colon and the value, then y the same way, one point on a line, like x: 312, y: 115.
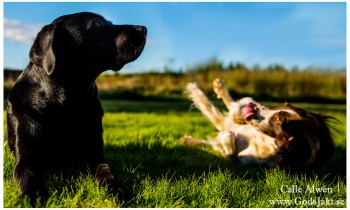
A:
x: 54, y: 117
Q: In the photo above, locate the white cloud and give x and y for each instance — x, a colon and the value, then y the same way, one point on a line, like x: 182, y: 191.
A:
x: 18, y: 31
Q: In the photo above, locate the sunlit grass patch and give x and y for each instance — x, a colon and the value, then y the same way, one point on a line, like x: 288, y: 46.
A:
x: 157, y: 171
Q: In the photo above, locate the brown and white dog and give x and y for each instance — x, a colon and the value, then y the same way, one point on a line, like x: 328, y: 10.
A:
x: 287, y: 136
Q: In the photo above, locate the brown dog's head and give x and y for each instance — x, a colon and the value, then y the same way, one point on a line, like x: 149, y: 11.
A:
x: 303, y: 137
x: 86, y: 41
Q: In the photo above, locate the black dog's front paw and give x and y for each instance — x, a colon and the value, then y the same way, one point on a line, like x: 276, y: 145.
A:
x: 104, y: 177
x: 31, y: 185
x: 119, y: 192
x: 35, y: 196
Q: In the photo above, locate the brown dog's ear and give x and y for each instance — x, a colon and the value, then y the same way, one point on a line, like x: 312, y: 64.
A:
x: 41, y: 53
x: 295, y: 127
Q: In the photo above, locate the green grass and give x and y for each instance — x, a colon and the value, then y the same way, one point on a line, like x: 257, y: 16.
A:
x: 141, y: 145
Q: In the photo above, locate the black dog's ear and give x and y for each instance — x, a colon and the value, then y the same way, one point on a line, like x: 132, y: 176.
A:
x: 41, y: 53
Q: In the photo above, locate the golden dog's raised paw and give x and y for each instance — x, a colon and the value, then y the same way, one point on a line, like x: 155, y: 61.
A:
x: 218, y: 85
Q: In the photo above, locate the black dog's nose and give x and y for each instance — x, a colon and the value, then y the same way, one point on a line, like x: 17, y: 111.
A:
x: 141, y: 29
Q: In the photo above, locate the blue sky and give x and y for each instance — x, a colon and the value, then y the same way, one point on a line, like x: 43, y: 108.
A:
x: 182, y: 35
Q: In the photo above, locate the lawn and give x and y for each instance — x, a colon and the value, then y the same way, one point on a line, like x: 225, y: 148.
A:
x: 142, y: 146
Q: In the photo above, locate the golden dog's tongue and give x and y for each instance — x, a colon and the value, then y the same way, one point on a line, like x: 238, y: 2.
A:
x: 248, y: 110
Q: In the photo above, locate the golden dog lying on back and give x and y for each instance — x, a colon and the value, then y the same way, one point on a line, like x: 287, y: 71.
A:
x: 286, y: 136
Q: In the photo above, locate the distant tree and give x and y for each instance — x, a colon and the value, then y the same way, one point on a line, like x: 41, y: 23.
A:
x: 236, y: 67
x: 256, y: 67
x: 295, y: 68
x: 231, y: 66
x: 276, y: 67
x: 211, y: 65
x: 239, y: 66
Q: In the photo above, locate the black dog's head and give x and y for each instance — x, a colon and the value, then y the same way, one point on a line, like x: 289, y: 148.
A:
x: 87, y: 43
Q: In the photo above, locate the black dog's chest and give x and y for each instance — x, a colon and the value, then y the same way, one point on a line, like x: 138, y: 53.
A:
x: 73, y: 122
x: 70, y: 134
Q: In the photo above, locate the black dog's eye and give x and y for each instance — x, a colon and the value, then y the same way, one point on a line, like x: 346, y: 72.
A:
x: 98, y: 23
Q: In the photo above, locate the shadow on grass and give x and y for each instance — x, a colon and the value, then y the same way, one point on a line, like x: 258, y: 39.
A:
x: 134, y: 162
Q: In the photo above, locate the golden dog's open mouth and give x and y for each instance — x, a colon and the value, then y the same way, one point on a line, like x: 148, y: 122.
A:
x: 249, y: 111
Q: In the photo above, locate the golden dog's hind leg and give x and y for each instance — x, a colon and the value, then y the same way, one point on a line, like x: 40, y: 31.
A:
x: 189, y: 141
x: 224, y: 143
